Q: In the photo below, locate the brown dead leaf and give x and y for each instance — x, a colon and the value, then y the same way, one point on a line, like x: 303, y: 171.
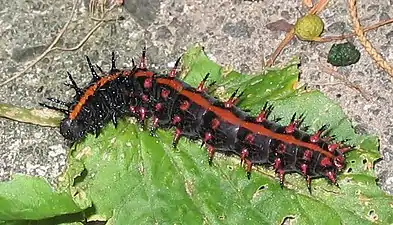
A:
x: 279, y: 25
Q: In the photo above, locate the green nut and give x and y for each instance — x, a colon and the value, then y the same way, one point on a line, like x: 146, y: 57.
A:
x: 309, y: 27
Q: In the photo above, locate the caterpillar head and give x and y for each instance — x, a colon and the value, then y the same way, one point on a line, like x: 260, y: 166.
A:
x: 71, y: 129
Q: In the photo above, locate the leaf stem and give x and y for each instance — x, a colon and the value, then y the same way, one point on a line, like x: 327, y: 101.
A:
x: 45, y: 117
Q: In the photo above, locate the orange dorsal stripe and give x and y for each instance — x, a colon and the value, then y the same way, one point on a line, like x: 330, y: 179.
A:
x: 92, y: 89
x: 198, y: 99
x: 233, y: 119
x: 90, y: 92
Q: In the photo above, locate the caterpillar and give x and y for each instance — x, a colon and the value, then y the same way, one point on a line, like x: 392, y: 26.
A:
x: 168, y: 102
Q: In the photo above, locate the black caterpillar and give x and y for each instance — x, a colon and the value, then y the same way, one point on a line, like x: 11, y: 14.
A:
x: 222, y: 127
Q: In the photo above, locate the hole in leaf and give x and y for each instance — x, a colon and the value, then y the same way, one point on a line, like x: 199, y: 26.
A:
x: 349, y: 170
x: 263, y: 187
x: 353, y: 161
x: 221, y: 217
x: 373, y: 215
x: 81, y: 177
x: 364, y: 161
x: 230, y: 167
x: 287, y: 220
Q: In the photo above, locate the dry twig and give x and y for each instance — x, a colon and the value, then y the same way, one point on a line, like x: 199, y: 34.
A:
x: 101, y: 7
x: 378, y: 58
x: 315, y: 10
x: 345, y: 36
x: 290, y: 34
x: 56, y: 40
x: 327, y: 69
x: 39, y: 58
x: 308, y: 3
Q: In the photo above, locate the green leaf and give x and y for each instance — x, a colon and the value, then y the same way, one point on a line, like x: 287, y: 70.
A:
x: 126, y: 176
x: 18, y: 222
x: 32, y: 198
x: 134, y: 178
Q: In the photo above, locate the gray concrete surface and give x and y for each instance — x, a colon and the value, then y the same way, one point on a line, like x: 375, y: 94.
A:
x: 233, y: 32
